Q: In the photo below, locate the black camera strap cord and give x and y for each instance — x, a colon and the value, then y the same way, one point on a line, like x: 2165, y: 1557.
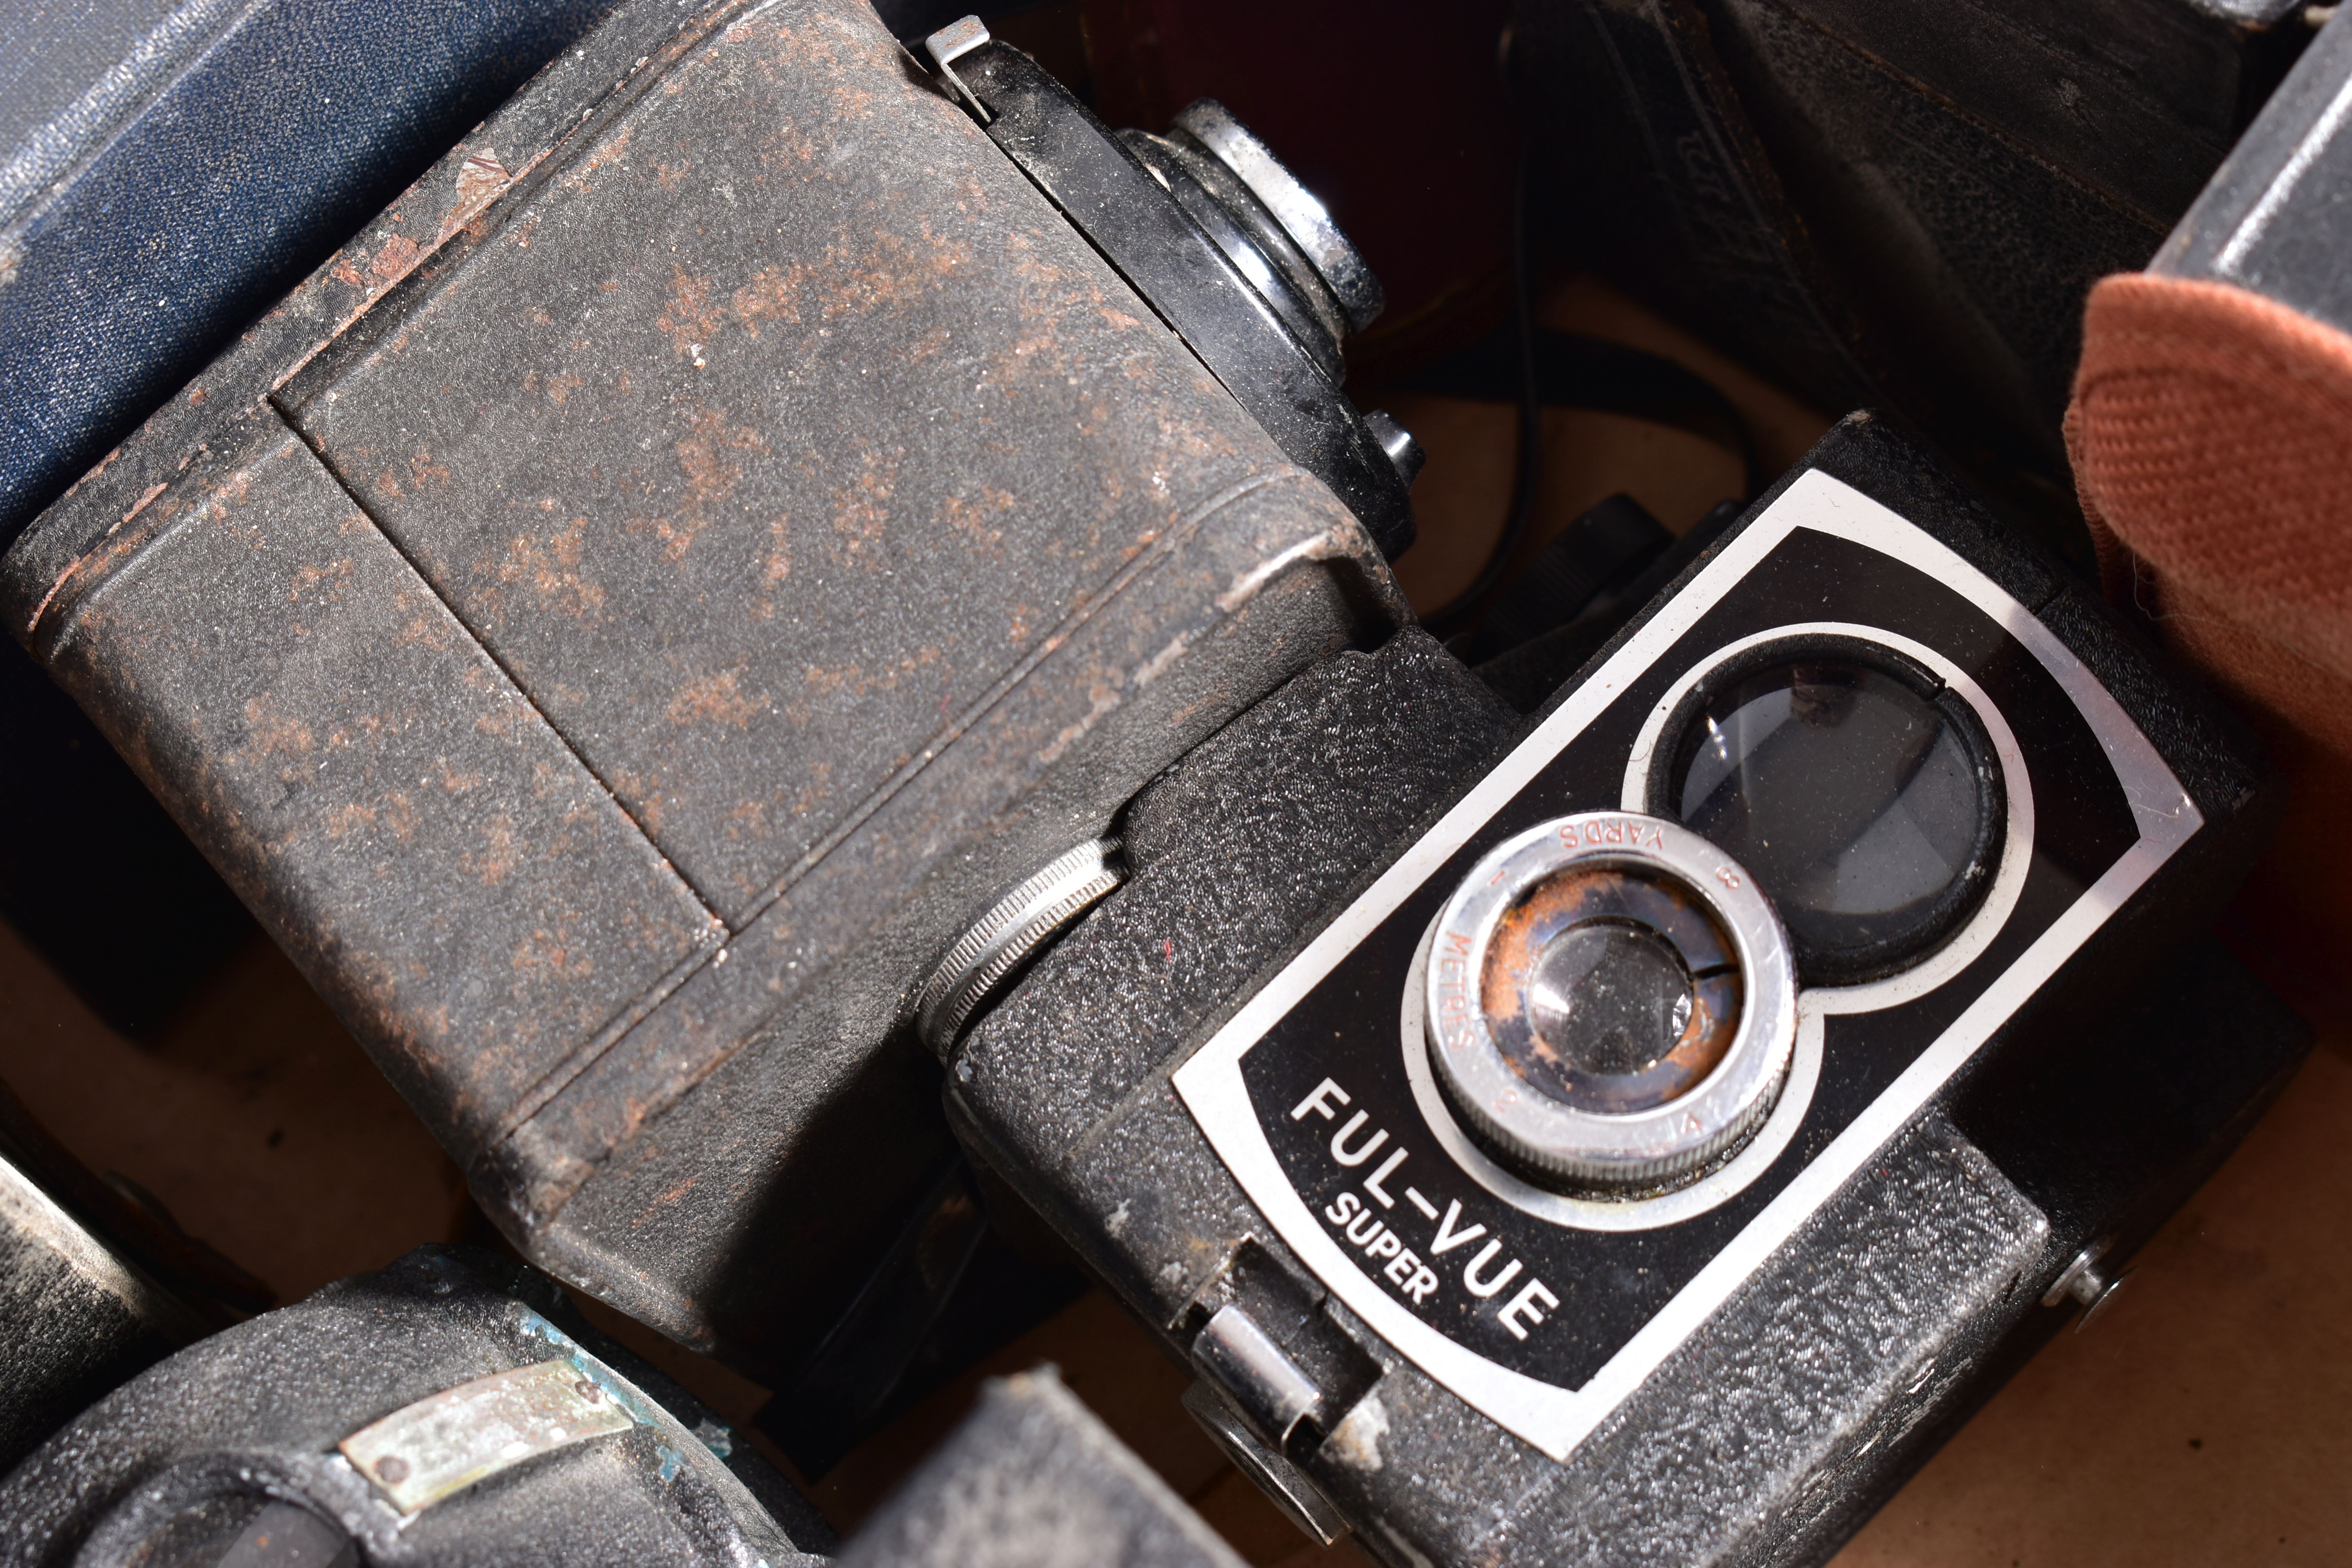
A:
x: 1506, y: 360
x: 1537, y: 368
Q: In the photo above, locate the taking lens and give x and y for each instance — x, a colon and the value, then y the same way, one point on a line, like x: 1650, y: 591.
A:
x: 1860, y: 794
x: 1610, y: 990
x: 1608, y: 1006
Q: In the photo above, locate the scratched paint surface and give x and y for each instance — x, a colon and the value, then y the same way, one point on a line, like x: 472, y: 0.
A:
x: 463, y: 893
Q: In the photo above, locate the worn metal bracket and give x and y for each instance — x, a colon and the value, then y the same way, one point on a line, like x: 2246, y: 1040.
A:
x: 950, y: 44
x: 444, y: 1443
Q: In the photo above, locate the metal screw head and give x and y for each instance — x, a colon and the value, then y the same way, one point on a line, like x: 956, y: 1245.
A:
x: 2089, y: 1280
x: 2100, y: 1294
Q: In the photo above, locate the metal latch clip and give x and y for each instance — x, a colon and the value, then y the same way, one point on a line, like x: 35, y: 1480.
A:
x: 950, y: 44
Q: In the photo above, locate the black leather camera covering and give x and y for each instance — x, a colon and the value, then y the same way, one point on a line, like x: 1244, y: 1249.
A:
x: 620, y: 619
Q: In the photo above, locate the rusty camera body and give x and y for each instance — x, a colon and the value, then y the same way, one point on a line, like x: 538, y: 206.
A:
x: 1642, y: 1134
x: 617, y: 621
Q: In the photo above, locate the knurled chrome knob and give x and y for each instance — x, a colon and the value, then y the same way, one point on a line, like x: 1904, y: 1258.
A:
x: 1008, y: 934
x: 1609, y: 1004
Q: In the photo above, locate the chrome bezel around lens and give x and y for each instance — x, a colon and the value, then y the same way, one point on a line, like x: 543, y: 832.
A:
x: 1962, y: 894
x: 1620, y: 1154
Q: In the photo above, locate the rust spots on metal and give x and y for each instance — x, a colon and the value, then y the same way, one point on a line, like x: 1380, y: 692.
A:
x: 772, y: 295
x: 456, y: 781
x: 491, y: 865
x: 644, y: 797
x: 787, y: 144
x: 312, y: 577
x: 145, y: 497
x: 893, y: 274
x: 393, y: 263
x: 272, y: 732
x: 716, y: 696
x: 777, y: 565
x: 706, y: 455
x: 861, y: 508
x: 975, y: 518
x: 550, y: 566
x: 420, y: 627
x: 610, y: 153
x: 350, y: 817
x: 554, y: 952
x: 691, y: 320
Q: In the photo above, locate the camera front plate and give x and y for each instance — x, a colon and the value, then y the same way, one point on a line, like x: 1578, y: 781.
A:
x: 1543, y: 1311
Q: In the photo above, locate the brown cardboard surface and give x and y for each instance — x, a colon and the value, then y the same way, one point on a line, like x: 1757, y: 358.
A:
x: 2205, y: 1417
x: 253, y: 1115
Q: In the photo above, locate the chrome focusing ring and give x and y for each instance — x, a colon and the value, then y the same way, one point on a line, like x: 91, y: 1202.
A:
x: 1575, y: 1147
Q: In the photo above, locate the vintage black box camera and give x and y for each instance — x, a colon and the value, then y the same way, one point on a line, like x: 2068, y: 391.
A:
x: 1641, y: 1135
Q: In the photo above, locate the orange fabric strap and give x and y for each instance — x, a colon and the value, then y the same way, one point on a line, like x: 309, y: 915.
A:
x: 2212, y: 439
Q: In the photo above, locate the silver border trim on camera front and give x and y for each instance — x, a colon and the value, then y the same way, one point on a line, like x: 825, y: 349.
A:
x: 1813, y: 1002
x: 1555, y: 1419
x: 1643, y: 1148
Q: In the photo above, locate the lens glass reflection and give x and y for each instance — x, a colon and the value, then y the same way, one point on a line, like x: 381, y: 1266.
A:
x: 1610, y: 990
x: 1608, y: 998
x: 1857, y: 802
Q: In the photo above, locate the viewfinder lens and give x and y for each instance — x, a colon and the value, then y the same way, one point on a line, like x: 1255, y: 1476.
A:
x: 1605, y: 999
x: 1863, y: 800
x: 1610, y: 990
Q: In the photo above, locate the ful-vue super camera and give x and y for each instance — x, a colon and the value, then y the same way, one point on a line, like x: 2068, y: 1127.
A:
x: 1643, y: 1137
